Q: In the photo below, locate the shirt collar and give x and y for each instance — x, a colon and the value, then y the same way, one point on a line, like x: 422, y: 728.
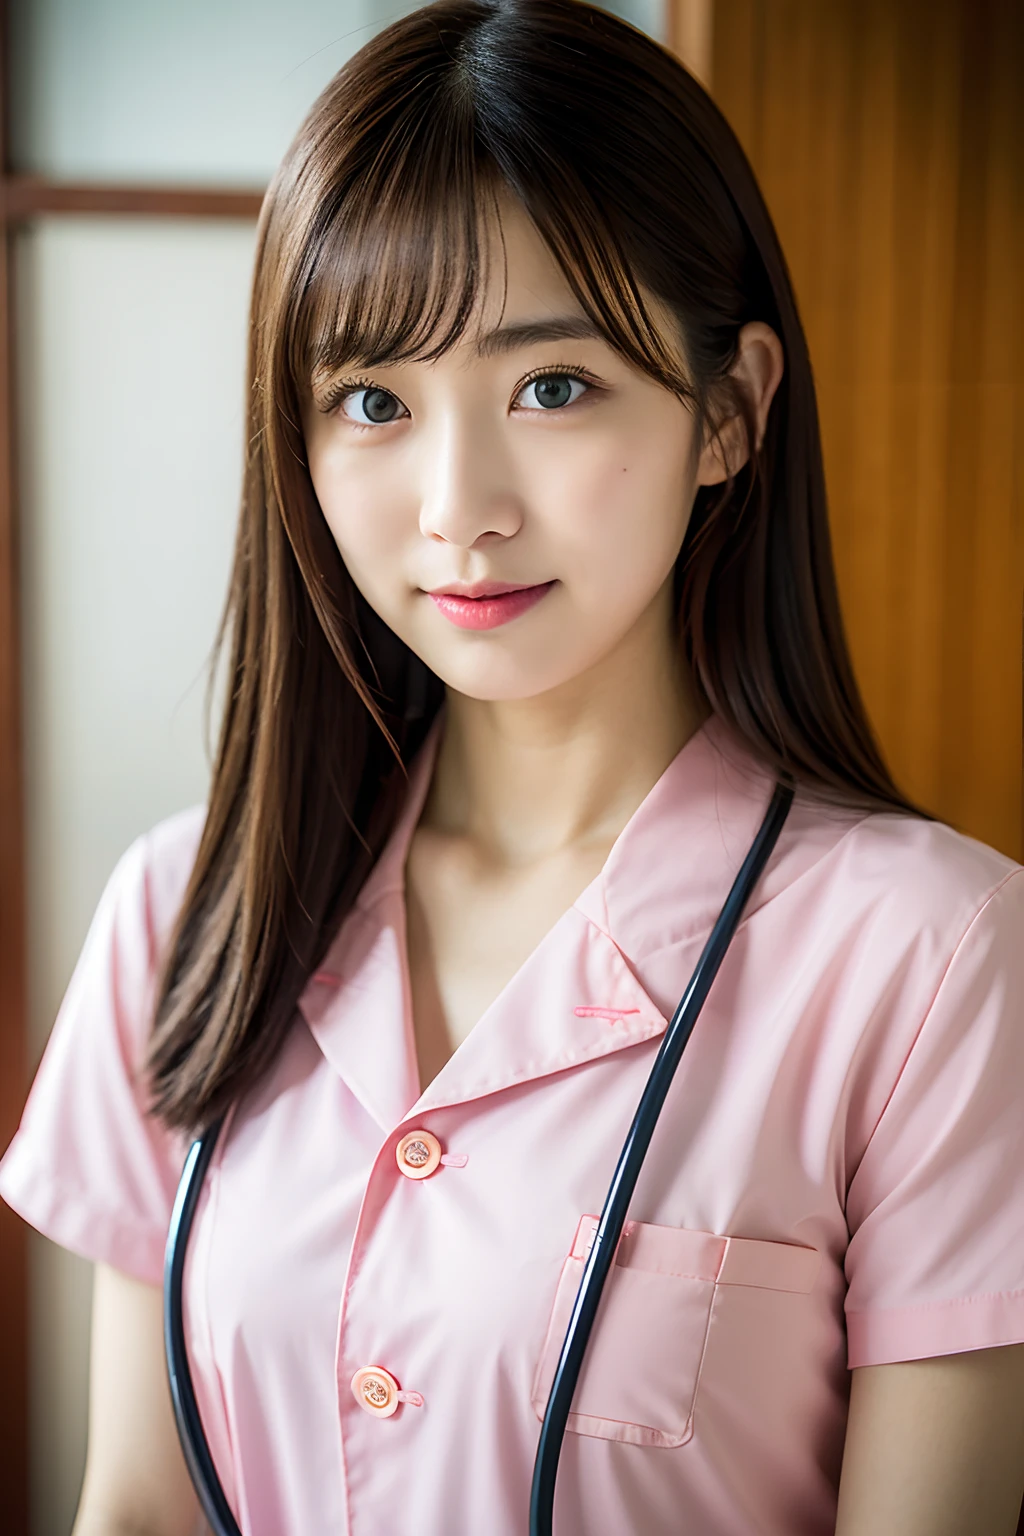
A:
x: 670, y: 868
x: 605, y: 977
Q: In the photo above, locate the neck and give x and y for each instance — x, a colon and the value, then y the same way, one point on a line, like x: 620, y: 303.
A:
x: 525, y: 779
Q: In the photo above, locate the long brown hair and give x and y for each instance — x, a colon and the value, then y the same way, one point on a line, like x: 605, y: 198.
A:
x: 368, y: 252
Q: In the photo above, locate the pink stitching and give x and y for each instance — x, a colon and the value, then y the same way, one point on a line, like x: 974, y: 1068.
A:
x: 455, y: 1159
x: 327, y: 978
x: 611, y: 1014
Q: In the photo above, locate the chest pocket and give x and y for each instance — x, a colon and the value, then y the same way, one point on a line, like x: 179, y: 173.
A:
x: 643, y: 1363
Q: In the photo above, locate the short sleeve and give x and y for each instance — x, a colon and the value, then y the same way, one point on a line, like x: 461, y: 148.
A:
x: 935, y: 1263
x: 88, y: 1166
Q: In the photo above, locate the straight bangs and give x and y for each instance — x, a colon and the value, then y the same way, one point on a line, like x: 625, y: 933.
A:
x: 397, y: 258
x: 396, y: 273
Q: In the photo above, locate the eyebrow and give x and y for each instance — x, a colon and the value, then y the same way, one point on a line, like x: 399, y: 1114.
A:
x: 509, y: 338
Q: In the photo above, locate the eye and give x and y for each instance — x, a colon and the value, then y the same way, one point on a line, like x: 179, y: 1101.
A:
x: 549, y: 391
x: 372, y: 406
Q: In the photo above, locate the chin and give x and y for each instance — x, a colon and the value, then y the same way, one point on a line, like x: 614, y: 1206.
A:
x: 501, y: 680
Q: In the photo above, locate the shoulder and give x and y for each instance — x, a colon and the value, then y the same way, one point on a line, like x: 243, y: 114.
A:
x: 838, y: 867
x: 913, y: 875
x: 893, y: 921
x: 90, y: 1166
x: 147, y: 886
x: 167, y: 851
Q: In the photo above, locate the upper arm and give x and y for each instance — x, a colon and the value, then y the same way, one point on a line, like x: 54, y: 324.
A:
x: 135, y: 1477
x: 935, y: 1447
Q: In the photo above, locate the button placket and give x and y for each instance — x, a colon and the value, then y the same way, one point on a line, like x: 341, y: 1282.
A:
x: 418, y: 1155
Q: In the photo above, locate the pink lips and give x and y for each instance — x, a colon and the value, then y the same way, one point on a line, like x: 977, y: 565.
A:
x: 491, y: 607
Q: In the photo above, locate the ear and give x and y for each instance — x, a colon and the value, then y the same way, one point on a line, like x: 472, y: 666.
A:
x: 756, y: 372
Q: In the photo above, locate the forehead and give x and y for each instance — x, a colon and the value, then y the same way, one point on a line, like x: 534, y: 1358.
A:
x: 520, y: 278
x: 524, y: 297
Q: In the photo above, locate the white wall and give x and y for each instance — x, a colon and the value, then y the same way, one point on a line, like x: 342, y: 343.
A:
x: 131, y: 343
x: 131, y: 340
x: 198, y: 91
x: 648, y: 14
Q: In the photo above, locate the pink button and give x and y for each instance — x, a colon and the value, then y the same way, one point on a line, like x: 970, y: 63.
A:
x: 418, y: 1154
x: 376, y: 1390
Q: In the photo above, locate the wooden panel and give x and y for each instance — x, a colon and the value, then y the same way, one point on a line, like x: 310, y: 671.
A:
x: 13, y: 962
x: 688, y: 32
x: 888, y: 136
x: 13, y: 1064
x: 24, y: 197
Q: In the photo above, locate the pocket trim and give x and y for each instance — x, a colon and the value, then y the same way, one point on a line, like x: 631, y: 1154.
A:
x: 694, y: 1255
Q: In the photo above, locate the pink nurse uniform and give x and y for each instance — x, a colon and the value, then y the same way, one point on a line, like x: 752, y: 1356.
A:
x: 379, y: 1279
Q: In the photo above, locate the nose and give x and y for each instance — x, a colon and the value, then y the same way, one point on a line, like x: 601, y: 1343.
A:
x: 468, y: 484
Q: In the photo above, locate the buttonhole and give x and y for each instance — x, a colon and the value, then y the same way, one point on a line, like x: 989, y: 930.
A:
x: 611, y: 1014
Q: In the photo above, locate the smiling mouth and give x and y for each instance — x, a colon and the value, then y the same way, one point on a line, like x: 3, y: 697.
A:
x: 488, y: 604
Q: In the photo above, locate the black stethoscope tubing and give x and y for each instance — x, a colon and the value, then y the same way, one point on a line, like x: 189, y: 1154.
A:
x: 595, y: 1270
x: 634, y: 1148
x: 186, y: 1410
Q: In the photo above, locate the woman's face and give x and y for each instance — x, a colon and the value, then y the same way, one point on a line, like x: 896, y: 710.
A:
x: 514, y: 509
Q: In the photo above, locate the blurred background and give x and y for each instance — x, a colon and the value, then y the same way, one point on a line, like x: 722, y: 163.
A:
x: 136, y: 137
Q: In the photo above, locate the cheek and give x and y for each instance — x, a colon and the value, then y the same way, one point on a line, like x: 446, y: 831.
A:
x: 619, y: 514
x: 368, y: 516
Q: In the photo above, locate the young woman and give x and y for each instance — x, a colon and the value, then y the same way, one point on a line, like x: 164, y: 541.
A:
x: 532, y: 605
